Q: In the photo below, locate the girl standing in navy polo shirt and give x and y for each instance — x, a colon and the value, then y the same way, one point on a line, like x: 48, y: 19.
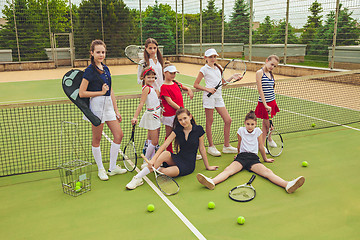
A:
x: 96, y: 85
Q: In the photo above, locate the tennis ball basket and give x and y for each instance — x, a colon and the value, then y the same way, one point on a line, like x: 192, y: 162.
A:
x: 74, y: 169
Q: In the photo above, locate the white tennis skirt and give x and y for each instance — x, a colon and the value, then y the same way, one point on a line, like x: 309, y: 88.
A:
x: 151, y: 120
x: 103, y: 108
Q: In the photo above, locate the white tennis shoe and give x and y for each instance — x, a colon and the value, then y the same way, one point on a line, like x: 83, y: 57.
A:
x: 294, y: 184
x: 229, y: 149
x: 213, y: 151
x: 102, y: 175
x: 207, y: 182
x: 134, y: 183
x: 272, y: 144
x: 117, y: 170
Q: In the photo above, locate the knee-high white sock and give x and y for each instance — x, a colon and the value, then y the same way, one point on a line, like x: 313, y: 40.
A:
x: 149, y: 151
x: 143, y: 173
x: 97, y: 155
x: 114, y: 152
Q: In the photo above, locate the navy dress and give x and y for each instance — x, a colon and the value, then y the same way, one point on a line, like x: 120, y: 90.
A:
x: 185, y: 159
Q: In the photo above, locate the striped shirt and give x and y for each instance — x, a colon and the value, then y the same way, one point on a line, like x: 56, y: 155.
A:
x: 268, y: 88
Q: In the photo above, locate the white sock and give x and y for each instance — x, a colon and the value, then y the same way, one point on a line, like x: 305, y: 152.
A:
x: 97, y: 155
x: 114, y: 152
x: 149, y: 151
x: 143, y: 173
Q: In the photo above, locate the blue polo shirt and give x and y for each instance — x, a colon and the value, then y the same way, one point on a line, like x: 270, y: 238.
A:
x: 94, y: 83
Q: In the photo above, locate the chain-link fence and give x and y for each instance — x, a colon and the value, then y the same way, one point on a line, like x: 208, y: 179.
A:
x: 305, y: 32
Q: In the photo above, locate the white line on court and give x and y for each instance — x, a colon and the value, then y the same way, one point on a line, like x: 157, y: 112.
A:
x: 192, y: 228
x: 300, y: 114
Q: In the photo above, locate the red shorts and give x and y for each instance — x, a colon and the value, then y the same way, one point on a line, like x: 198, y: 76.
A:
x: 261, y: 112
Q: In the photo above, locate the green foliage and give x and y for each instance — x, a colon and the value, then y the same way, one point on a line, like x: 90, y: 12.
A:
x: 238, y: 27
x: 312, y: 27
x: 156, y: 25
x: 266, y: 29
x: 212, y: 23
x: 192, y: 28
x: 118, y: 23
x: 278, y: 35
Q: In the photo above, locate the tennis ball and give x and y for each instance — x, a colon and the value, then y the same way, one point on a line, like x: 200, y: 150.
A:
x: 150, y: 207
x: 79, y: 184
x: 77, y: 189
x: 313, y: 125
x: 241, y: 220
x: 304, y: 164
x: 211, y: 205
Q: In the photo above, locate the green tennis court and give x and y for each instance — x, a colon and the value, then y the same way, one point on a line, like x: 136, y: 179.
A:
x: 326, y: 207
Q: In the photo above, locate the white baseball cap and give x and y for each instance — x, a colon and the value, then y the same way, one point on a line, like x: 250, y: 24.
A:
x: 210, y: 52
x: 171, y: 69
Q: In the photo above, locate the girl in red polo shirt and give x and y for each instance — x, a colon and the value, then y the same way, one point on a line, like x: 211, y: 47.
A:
x: 170, y: 93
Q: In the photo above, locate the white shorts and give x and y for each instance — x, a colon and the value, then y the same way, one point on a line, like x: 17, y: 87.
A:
x: 212, y: 101
x: 103, y: 108
x: 168, y: 120
x: 151, y: 120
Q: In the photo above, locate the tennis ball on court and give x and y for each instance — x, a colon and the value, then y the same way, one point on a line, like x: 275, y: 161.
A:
x: 150, y: 207
x: 77, y: 189
x: 304, y: 163
x: 241, y: 220
x: 313, y: 125
x: 211, y: 205
x: 79, y: 184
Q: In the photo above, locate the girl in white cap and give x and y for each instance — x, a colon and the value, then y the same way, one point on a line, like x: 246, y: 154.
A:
x: 211, y: 72
x: 172, y: 99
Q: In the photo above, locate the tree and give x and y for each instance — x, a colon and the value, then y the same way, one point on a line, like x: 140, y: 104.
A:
x: 263, y: 34
x: 212, y: 23
x: 279, y: 33
x: 156, y: 25
x: 239, y: 23
x: 312, y: 27
x: 118, y: 24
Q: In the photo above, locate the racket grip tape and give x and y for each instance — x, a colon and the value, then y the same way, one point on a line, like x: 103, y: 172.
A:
x: 252, y: 179
x: 217, y: 86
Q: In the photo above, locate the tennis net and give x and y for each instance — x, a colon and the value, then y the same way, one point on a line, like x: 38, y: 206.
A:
x: 30, y: 133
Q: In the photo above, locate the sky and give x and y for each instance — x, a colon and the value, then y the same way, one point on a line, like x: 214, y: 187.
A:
x: 276, y: 9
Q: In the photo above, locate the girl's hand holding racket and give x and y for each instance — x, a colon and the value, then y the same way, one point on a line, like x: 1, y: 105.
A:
x: 118, y: 117
x: 211, y: 91
x: 134, y: 121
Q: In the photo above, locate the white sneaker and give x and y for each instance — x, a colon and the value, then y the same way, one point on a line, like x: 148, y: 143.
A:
x: 294, y: 184
x: 117, y: 170
x: 213, y: 151
x: 229, y: 149
x: 272, y: 144
x: 266, y: 151
x: 134, y: 183
x: 198, y: 157
x: 102, y: 175
x: 207, y: 182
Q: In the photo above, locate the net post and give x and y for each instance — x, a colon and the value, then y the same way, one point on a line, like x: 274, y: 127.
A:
x: 334, y: 34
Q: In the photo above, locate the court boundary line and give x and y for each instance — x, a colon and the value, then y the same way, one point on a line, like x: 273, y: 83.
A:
x: 303, y: 115
x: 180, y: 215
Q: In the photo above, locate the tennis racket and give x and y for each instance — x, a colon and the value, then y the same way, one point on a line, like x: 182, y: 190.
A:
x: 130, y: 156
x: 166, y: 184
x: 243, y: 193
x: 134, y: 53
x: 274, y: 141
x: 235, y: 67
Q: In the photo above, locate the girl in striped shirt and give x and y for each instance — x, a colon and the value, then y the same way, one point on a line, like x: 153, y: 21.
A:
x: 266, y: 103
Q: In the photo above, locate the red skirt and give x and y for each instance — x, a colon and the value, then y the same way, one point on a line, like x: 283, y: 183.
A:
x: 261, y: 112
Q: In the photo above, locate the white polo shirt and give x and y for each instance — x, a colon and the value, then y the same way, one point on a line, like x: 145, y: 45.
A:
x: 212, y: 78
x: 158, y: 70
x: 249, y: 141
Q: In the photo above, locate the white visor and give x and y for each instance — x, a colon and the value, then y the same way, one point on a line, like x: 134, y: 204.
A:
x: 171, y: 69
x: 210, y: 52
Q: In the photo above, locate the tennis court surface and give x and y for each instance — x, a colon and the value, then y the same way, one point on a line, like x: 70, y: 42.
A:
x: 326, y: 207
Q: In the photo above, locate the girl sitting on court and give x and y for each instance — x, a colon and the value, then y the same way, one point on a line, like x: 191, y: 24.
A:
x: 151, y: 118
x: 103, y: 105
x: 250, y: 141
x: 172, y: 99
x: 266, y: 103
x: 189, y: 137
x: 212, y: 72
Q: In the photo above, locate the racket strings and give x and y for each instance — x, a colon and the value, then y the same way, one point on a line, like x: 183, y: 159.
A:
x: 134, y: 52
x: 167, y: 184
x: 243, y: 193
x: 130, y: 157
x: 275, y: 143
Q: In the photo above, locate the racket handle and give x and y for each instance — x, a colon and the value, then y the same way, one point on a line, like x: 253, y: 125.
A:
x: 252, y: 179
x: 217, y: 86
x: 143, y: 156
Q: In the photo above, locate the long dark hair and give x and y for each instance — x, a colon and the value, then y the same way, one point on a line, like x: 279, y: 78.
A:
x: 158, y: 53
x: 92, y: 49
x: 176, y: 123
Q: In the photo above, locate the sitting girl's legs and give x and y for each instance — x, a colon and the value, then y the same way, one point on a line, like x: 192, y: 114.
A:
x: 267, y: 173
x: 230, y: 170
x: 172, y: 170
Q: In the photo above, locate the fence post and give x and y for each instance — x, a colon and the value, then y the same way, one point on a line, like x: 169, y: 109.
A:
x: 51, y: 43
x: 16, y: 32
x: 183, y: 29
x: 141, y: 32
x: 176, y: 30
x: 286, y: 30
x: 250, y: 29
x: 334, y: 34
x: 102, y: 22
x: 201, y: 51
x: 222, y: 29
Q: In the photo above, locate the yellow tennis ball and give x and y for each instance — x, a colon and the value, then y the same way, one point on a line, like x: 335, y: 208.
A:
x: 79, y: 184
x: 150, y: 207
x: 241, y: 220
x: 211, y: 205
x: 313, y: 125
x: 304, y: 163
x: 77, y: 189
